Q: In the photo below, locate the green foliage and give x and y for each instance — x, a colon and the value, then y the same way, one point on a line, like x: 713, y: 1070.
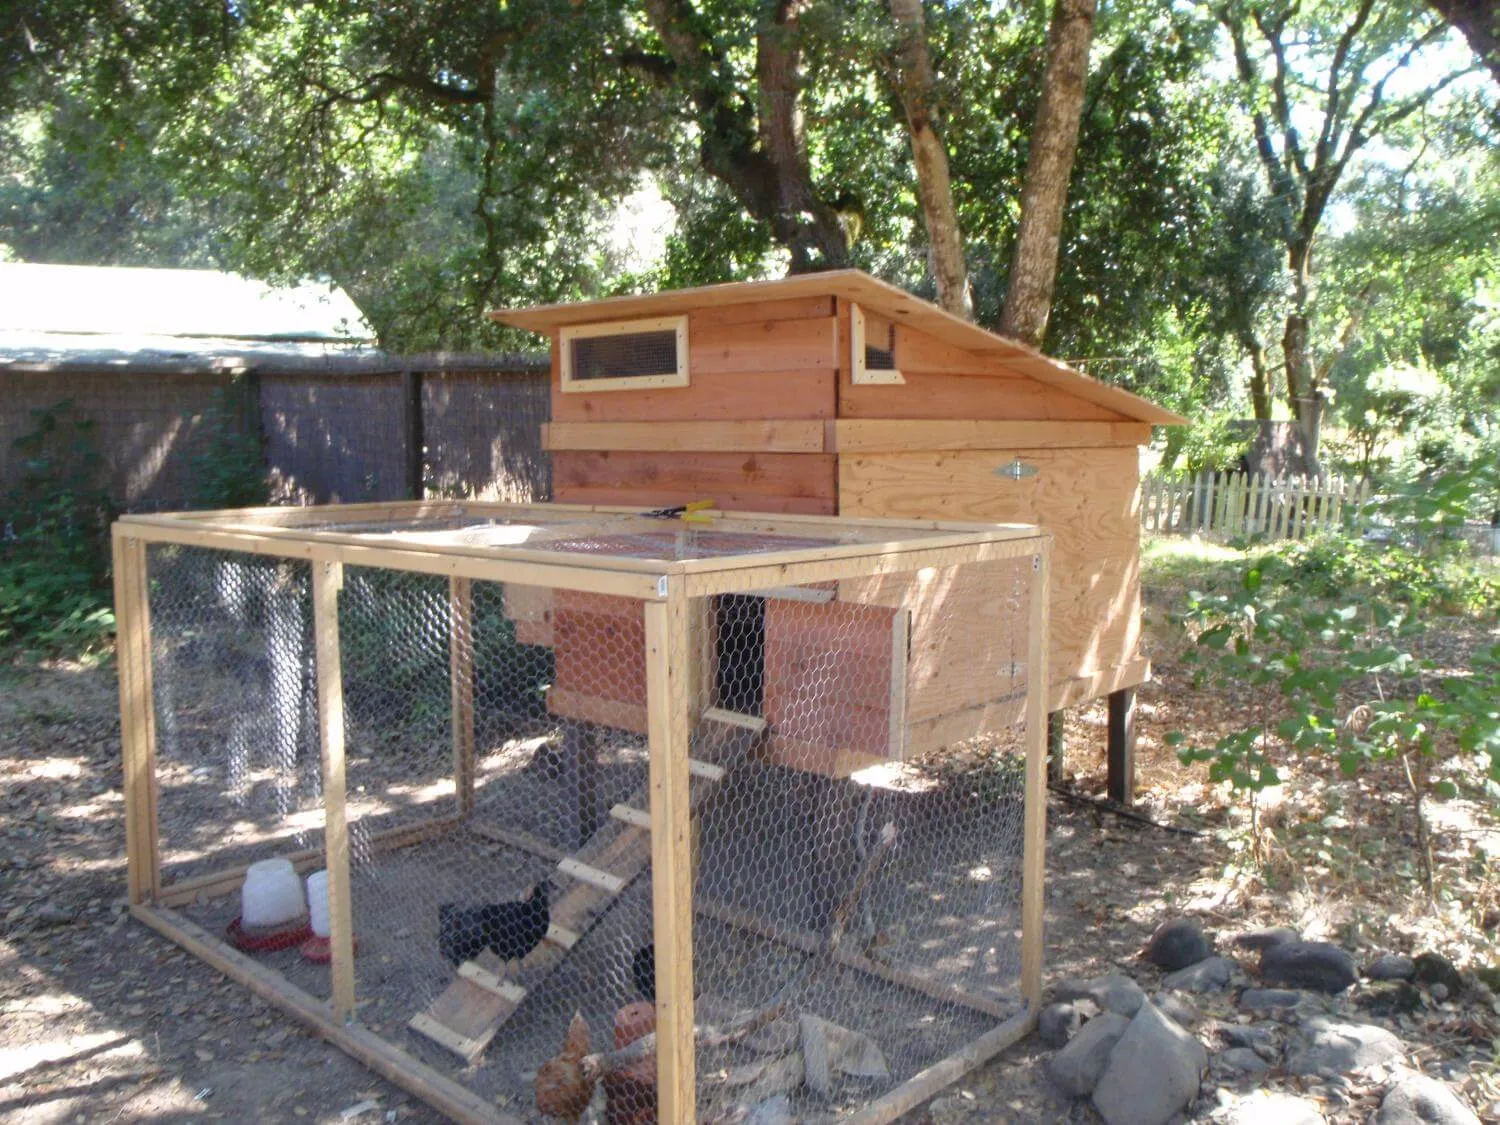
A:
x: 1327, y: 639
x: 397, y: 668
x: 1333, y: 678
x: 228, y: 467
x: 54, y: 553
x: 1333, y: 566
x: 1212, y: 441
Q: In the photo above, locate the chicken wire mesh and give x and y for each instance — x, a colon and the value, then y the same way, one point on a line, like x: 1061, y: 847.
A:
x: 238, y: 767
x: 857, y: 797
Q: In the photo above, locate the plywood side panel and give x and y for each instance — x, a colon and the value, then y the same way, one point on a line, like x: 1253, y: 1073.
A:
x: 955, y: 671
x: 917, y: 435
x: 748, y: 395
x: 974, y: 395
x: 780, y: 482
x: 1088, y: 499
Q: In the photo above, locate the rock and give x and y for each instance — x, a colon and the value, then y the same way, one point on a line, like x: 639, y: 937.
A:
x: 829, y: 1048
x: 1205, y: 976
x: 1391, y: 966
x: 773, y: 1111
x: 1242, y: 1058
x: 1269, y: 999
x: 1076, y: 1068
x: 1153, y: 1072
x: 1178, y: 944
x: 1262, y: 1040
x: 1390, y: 998
x: 1308, y: 964
x: 1262, y: 940
x: 1325, y: 1044
x: 1416, y: 1099
x: 1434, y: 968
x: 1115, y: 993
x: 1178, y: 1008
x: 1058, y: 1023
x: 1261, y: 1108
x: 817, y: 1073
x: 53, y: 914
x: 1439, y: 990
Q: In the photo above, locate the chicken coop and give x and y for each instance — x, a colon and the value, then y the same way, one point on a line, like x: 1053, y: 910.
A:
x: 599, y: 814
x: 836, y: 394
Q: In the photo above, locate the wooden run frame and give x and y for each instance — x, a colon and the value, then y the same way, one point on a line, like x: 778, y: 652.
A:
x: 674, y: 704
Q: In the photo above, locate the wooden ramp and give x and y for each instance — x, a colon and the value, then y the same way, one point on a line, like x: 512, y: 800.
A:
x: 469, y: 1013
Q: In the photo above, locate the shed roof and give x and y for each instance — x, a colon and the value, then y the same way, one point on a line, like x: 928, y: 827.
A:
x: 134, y: 302
x: 869, y: 293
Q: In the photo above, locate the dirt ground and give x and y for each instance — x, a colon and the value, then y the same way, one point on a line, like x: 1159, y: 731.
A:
x: 102, y: 1021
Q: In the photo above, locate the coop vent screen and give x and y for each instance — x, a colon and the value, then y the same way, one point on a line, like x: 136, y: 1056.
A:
x: 625, y: 355
x: 873, y: 341
x: 861, y: 765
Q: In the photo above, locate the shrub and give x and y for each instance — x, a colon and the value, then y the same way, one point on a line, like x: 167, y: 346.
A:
x: 54, y: 553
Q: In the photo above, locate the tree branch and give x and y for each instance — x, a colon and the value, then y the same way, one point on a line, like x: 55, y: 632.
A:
x: 1291, y: 142
x: 1332, y: 110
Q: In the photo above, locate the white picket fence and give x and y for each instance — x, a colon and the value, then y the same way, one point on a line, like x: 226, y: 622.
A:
x: 1239, y: 505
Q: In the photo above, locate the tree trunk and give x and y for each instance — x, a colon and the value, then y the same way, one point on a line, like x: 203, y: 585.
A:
x: 1479, y: 21
x: 1302, y: 392
x: 1260, y: 378
x: 762, y: 161
x: 934, y: 187
x: 1054, y: 142
x: 808, y: 227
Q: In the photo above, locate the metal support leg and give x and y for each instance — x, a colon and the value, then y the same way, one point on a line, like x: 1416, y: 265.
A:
x: 1121, y: 749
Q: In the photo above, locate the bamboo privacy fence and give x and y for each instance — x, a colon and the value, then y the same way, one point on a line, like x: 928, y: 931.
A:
x: 800, y: 759
x: 1240, y: 505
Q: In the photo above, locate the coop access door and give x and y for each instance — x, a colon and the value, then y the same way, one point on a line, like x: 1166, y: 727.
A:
x: 829, y: 677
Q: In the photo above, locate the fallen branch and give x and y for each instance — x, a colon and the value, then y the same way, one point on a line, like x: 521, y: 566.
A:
x: 1103, y: 804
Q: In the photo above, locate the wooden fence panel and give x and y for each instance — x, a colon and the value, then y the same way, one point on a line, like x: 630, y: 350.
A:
x: 1240, y: 505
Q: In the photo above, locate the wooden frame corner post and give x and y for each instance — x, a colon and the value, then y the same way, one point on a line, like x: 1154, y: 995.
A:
x: 328, y: 580
x: 137, y: 717
x: 461, y: 677
x: 668, y: 693
x: 1033, y: 866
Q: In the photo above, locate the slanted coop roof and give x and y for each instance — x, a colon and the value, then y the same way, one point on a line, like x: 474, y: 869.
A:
x: 869, y: 293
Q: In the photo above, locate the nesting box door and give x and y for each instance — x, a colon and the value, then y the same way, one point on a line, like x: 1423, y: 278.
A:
x: 835, y: 684
x: 599, y: 670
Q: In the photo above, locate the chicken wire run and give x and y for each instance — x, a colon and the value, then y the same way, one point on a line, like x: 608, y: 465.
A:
x: 680, y: 816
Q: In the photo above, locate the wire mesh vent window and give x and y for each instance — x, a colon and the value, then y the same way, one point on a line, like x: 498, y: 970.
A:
x: 881, y: 356
x: 623, y: 357
x: 814, y: 775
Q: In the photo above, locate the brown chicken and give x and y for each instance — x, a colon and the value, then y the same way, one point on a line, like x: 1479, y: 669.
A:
x: 563, y: 1088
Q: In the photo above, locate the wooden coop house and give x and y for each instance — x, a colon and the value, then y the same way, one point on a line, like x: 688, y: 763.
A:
x: 836, y: 394
x: 679, y: 815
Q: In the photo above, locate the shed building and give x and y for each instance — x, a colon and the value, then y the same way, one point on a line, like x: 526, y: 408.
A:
x: 838, y: 394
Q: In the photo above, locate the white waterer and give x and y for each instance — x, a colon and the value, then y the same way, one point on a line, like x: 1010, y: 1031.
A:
x: 271, y: 896
x: 317, y: 902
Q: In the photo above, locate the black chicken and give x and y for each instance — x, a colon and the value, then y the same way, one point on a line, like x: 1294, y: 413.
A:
x: 511, y: 929
x: 643, y: 971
